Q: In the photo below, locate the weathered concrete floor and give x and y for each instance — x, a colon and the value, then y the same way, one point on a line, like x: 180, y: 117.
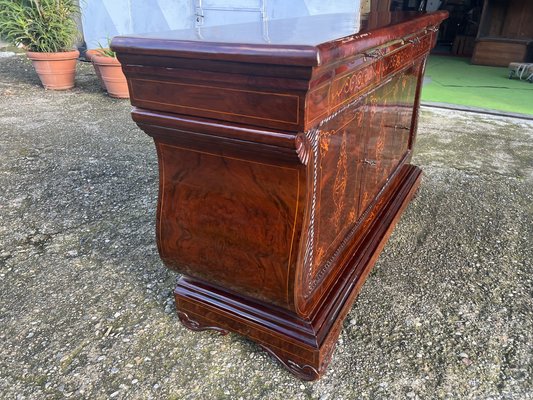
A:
x: 86, y: 306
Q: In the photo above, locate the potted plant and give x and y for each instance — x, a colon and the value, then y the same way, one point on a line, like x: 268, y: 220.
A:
x: 89, y: 57
x: 47, y: 30
x: 109, y: 69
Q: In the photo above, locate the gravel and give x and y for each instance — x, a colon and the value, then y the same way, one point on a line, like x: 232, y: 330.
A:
x: 86, y: 308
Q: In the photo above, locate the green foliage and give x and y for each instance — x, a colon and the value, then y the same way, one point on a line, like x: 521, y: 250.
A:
x: 39, y: 25
x: 106, y: 51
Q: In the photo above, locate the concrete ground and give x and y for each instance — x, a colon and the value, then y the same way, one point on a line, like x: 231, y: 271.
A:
x: 86, y: 305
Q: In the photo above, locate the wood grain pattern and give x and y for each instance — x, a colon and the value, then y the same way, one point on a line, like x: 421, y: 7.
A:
x: 195, y: 99
x: 303, y: 345
x: 283, y: 168
x: 505, y: 33
x: 359, y: 149
x: 499, y: 53
x: 245, y: 215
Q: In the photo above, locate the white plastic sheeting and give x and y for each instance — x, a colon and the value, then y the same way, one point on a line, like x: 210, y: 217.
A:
x: 103, y: 19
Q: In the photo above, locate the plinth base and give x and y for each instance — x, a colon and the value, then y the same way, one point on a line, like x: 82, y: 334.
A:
x: 303, y: 345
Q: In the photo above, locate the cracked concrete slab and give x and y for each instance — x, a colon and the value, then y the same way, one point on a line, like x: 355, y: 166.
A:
x: 86, y: 309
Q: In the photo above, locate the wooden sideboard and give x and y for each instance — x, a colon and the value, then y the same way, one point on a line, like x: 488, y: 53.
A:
x: 284, y: 152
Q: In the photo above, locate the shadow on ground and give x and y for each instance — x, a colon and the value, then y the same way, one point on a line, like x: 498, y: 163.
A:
x: 86, y: 305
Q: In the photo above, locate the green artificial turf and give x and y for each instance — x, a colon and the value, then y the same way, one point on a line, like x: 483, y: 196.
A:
x: 454, y: 80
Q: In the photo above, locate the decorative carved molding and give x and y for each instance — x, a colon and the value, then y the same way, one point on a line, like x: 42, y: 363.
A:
x: 302, y: 148
x: 305, y: 372
x: 196, y: 326
x: 313, y: 138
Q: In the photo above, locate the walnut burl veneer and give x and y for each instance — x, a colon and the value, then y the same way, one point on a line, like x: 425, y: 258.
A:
x: 284, y: 154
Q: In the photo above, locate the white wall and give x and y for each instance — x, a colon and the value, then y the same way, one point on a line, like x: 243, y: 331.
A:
x: 104, y: 19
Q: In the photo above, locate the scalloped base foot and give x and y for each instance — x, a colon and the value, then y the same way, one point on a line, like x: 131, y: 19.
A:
x: 197, y: 326
x: 305, y: 372
x: 283, y: 335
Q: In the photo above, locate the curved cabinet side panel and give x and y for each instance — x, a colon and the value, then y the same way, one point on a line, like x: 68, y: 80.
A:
x: 233, y: 222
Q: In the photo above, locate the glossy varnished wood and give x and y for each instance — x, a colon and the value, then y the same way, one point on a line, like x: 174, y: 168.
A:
x: 284, y: 165
x: 267, y: 83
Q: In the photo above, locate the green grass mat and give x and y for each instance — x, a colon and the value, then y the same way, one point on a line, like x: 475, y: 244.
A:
x: 454, y: 80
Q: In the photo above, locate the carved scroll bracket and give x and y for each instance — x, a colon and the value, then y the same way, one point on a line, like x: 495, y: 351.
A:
x: 303, y: 148
x: 305, y: 372
x: 196, y: 326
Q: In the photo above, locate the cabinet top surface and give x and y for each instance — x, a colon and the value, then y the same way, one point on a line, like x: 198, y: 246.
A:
x: 300, y: 31
x: 293, y: 38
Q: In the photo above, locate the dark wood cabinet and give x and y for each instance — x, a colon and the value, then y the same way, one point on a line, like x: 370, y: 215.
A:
x: 505, y: 33
x: 284, y: 164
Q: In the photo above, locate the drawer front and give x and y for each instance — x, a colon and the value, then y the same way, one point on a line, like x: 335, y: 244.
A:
x: 362, y: 73
x: 253, y: 107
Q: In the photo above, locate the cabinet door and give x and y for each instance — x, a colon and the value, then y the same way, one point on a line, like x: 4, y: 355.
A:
x: 388, y: 115
x: 340, y: 166
x: 359, y: 148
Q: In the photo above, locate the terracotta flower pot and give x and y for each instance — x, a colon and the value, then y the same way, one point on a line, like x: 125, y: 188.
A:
x: 56, y: 70
x: 89, y: 56
x: 112, y: 75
